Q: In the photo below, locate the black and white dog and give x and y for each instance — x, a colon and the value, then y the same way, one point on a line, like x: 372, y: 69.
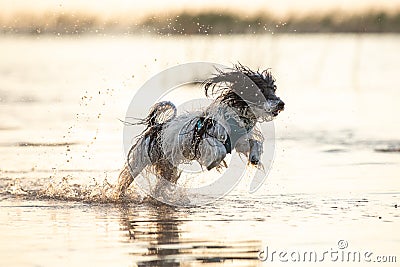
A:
x: 242, y: 98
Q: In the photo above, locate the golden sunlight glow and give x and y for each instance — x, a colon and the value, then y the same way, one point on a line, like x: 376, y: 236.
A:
x: 142, y: 8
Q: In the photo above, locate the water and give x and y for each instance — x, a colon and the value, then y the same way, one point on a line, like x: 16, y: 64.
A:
x: 335, y: 173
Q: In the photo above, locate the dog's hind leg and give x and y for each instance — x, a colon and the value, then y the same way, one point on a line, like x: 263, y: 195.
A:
x: 138, y: 159
x: 167, y: 170
x: 167, y: 175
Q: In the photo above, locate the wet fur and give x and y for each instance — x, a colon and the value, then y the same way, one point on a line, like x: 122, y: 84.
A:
x: 242, y: 98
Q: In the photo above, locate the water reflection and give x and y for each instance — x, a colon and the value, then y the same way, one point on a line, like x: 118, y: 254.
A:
x: 157, y: 229
x: 164, y: 236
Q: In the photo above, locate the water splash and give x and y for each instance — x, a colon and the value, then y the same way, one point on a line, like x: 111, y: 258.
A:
x: 104, y: 192
x: 15, y: 188
x: 67, y: 190
x: 151, y: 187
x: 70, y: 188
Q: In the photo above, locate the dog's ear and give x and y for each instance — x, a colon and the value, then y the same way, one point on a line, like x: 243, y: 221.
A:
x: 240, y: 82
x: 238, y: 79
x: 222, y: 82
x: 268, y: 78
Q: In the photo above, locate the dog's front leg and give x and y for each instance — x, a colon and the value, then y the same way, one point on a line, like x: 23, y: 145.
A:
x: 212, y: 152
x: 256, y: 150
x: 251, y: 148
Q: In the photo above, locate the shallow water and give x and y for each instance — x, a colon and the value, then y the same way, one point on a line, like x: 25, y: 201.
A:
x: 335, y: 174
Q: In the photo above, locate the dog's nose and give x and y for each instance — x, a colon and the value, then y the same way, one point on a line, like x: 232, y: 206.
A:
x: 254, y: 160
x: 281, y: 105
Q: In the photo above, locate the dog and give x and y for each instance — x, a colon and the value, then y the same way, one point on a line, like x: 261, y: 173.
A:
x: 241, y: 99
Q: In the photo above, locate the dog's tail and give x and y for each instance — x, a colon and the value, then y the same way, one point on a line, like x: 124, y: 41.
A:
x: 160, y: 113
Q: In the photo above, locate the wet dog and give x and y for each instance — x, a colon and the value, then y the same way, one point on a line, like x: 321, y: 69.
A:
x: 242, y: 98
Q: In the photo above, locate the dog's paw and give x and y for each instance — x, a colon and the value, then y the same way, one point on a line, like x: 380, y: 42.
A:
x: 212, y: 165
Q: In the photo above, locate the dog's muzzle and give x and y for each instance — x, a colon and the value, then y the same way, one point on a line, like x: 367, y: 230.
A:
x: 279, y: 107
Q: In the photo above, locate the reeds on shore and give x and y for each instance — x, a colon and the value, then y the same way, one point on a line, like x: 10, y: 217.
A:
x: 206, y: 23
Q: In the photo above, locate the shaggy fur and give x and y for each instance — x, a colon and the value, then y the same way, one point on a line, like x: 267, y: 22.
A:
x: 242, y: 98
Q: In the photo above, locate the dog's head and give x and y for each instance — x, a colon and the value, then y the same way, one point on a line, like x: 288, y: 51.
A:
x: 251, y: 92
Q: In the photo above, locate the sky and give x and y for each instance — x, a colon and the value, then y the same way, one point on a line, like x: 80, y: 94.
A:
x: 144, y: 8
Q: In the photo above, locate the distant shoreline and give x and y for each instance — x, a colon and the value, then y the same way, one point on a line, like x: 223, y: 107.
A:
x: 204, y: 23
